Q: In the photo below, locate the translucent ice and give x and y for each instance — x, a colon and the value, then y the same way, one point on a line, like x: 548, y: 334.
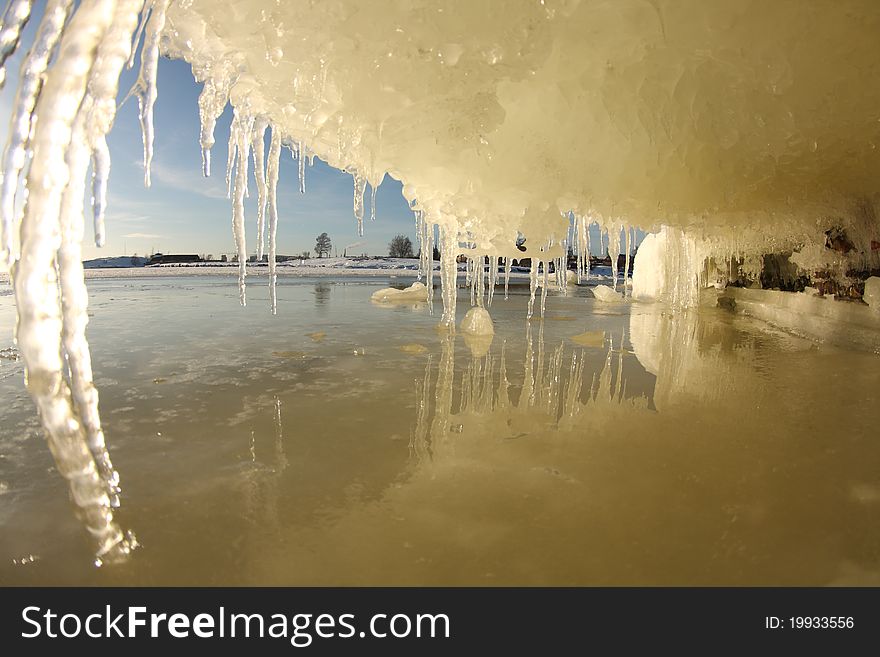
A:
x: 872, y: 293
x: 477, y: 321
x: 606, y: 294
x: 415, y: 292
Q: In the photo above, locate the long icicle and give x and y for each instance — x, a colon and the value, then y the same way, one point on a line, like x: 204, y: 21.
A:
x: 100, y: 177
x: 258, y: 147
x: 39, y: 324
x: 272, y: 167
x: 448, y: 275
x: 239, y: 190
x: 212, y: 101
x: 16, y: 16
x: 93, y: 122
x: 31, y: 74
x: 145, y: 88
x: 360, y: 186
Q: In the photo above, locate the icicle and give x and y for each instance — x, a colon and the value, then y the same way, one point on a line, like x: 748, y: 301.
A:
x: 212, y: 101
x: 544, y: 287
x: 587, y: 255
x: 469, y: 279
x: 40, y: 319
x: 100, y: 175
x: 146, y: 7
x: 272, y: 167
x: 614, y: 250
x: 479, y: 283
x: 360, y: 186
x: 31, y: 75
x: 16, y: 16
x: 100, y: 104
x: 243, y: 130
x: 231, y: 154
x: 93, y: 120
x: 373, y: 189
x: 258, y: 146
x: 448, y: 275
x: 145, y: 88
x: 301, y: 168
x: 493, y: 278
x: 533, y: 286
x: 507, y: 261
x: 429, y: 274
x: 628, y: 247
x: 420, y: 236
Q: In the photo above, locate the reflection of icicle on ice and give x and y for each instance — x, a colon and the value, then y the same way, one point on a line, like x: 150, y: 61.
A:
x: 40, y: 319
x: 443, y: 392
x: 14, y: 19
x: 360, y: 187
x: 272, y: 166
x: 419, y: 446
x: 30, y: 82
x: 145, y: 88
x: 242, y: 130
x: 280, y: 456
x: 258, y: 147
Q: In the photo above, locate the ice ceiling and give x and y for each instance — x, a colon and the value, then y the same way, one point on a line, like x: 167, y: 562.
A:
x: 744, y: 127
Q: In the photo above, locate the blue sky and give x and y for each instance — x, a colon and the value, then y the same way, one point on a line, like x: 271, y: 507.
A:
x: 182, y: 212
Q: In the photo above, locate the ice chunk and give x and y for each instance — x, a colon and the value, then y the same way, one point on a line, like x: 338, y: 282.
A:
x: 872, y: 293
x: 415, y: 292
x: 477, y: 321
x: 605, y: 294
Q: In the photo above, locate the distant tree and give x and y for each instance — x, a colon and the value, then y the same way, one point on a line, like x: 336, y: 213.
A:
x: 400, y: 247
x: 323, y: 245
x: 305, y: 255
x: 210, y: 256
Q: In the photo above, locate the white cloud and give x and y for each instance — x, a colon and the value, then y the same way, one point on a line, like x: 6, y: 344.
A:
x: 144, y: 236
x: 186, y: 180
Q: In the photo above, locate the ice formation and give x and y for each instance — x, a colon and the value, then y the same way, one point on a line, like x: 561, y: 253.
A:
x: 872, y: 293
x: 743, y: 127
x: 606, y: 294
x: 415, y: 292
x: 477, y: 321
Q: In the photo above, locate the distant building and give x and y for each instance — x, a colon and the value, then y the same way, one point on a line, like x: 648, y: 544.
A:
x: 170, y: 259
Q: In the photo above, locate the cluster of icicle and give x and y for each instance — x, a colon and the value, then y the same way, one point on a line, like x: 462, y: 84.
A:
x: 62, y: 114
x: 64, y: 108
x: 483, y: 269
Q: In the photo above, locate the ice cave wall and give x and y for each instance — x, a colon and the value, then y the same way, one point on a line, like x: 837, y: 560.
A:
x: 752, y: 125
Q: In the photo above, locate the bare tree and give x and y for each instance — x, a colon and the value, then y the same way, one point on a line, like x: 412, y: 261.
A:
x: 400, y: 247
x: 323, y: 245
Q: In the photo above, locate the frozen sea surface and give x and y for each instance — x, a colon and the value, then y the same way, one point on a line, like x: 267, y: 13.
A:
x: 343, y: 442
